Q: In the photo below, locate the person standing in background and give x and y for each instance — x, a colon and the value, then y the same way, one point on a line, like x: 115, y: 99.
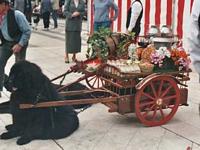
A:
x: 55, y: 8
x: 74, y: 11
x: 194, y: 36
x: 15, y: 33
x: 24, y: 6
x: 134, y: 17
x: 101, y: 13
x: 45, y: 10
x: 28, y: 10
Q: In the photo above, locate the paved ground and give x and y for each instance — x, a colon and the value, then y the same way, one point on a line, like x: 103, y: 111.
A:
x: 100, y: 130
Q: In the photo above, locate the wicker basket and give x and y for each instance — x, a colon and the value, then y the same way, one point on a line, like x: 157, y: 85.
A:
x: 146, y: 53
x: 146, y: 67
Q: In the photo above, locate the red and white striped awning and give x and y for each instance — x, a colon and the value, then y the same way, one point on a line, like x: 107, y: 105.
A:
x: 175, y: 13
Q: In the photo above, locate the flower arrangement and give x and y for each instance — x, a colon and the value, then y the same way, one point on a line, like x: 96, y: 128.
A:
x: 165, y: 59
x: 180, y: 58
x: 158, y: 56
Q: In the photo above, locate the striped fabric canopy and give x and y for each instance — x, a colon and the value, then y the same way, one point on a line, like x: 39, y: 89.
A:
x: 174, y: 13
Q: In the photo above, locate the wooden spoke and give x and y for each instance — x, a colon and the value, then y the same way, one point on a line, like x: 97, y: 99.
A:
x: 154, y: 114
x: 145, y: 114
x: 169, y: 97
x: 147, y: 104
x: 91, y: 78
x: 148, y: 95
x: 160, y: 88
x: 153, y: 89
x: 94, y: 82
x: 166, y: 91
x: 162, y: 113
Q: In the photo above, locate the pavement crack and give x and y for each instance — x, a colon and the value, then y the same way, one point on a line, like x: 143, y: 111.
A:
x: 193, y: 142
x: 58, y: 145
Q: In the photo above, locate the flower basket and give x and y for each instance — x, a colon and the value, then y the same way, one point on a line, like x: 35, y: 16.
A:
x: 146, y: 67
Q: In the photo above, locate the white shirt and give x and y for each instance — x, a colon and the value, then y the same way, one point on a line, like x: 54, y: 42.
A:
x: 136, y: 9
x: 76, y: 2
x: 194, y: 36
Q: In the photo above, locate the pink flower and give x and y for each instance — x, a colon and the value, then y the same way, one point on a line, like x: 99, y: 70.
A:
x: 157, y: 59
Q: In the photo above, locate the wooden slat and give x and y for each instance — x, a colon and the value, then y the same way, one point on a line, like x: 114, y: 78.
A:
x: 70, y: 102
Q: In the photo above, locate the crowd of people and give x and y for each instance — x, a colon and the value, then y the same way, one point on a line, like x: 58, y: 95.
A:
x: 40, y: 8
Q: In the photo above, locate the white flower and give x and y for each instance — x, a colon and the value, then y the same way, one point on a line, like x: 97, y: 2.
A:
x: 131, y: 50
x: 132, y: 47
x: 162, y: 51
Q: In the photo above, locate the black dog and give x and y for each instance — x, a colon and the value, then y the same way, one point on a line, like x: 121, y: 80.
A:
x: 30, y: 85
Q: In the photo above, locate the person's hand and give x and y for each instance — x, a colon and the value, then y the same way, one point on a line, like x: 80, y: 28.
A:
x: 75, y: 14
x: 111, y: 19
x: 127, y: 32
x: 16, y: 48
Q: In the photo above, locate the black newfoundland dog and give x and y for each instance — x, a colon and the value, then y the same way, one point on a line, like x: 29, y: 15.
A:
x: 29, y: 85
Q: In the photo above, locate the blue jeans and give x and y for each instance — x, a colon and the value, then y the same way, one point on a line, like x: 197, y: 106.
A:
x: 5, y: 53
x: 98, y: 25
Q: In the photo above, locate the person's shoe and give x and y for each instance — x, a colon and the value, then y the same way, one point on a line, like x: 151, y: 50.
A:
x: 66, y: 60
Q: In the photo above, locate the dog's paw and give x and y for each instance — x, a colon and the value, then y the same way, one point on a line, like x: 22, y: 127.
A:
x: 23, y: 140
x: 8, y: 135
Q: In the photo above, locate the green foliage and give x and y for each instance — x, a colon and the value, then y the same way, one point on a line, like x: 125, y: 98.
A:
x: 124, y: 39
x: 98, y: 47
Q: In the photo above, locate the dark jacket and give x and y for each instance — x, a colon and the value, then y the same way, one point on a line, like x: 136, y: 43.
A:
x: 13, y: 28
x: 75, y: 23
x: 27, y: 6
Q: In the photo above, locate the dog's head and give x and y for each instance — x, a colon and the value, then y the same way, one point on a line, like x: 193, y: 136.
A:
x: 24, y: 76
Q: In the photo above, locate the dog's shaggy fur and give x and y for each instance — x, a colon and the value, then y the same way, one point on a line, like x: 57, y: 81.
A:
x: 30, y: 85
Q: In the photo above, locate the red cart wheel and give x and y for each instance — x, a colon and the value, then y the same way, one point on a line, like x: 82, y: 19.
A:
x: 157, y: 101
x: 95, y: 82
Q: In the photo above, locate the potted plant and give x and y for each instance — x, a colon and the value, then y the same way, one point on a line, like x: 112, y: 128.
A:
x: 97, y: 45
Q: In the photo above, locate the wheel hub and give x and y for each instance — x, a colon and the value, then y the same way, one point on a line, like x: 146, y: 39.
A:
x: 159, y: 101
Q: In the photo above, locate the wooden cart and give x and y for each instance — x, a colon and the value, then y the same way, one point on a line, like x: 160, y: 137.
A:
x: 154, y: 97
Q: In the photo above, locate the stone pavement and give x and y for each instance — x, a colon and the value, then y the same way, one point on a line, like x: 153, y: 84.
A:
x: 100, y: 130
